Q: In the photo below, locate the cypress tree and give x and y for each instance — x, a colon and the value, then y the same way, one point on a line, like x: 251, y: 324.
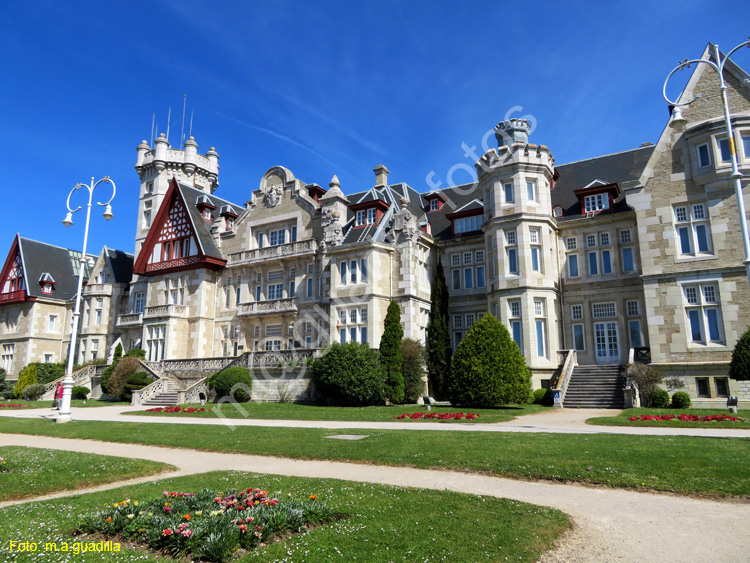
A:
x: 390, y: 354
x: 488, y: 370
x: 438, y: 338
x: 739, y: 367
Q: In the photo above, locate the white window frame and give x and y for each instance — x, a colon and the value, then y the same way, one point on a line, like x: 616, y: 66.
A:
x: 702, y: 302
x: 690, y: 220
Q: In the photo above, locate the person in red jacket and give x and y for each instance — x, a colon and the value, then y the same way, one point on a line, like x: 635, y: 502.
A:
x: 58, y: 396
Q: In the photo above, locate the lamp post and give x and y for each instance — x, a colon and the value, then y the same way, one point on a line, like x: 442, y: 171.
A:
x: 64, y: 412
x: 678, y: 122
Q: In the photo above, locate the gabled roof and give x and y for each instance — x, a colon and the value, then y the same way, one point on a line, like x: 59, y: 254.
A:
x: 42, y: 261
x: 185, y: 198
x: 463, y: 197
x: 601, y: 171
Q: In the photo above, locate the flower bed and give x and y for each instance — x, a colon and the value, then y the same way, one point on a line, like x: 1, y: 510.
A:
x: 436, y: 416
x: 13, y: 405
x: 206, y: 525
x: 687, y: 418
x: 171, y: 410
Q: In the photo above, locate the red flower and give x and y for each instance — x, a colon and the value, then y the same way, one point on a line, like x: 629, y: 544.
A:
x: 167, y: 532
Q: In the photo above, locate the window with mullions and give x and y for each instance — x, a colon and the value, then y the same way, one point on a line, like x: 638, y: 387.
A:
x: 277, y: 237
x: 691, y: 223
x: 703, y: 313
x: 596, y: 202
x: 511, y: 252
x: 536, y: 250
x: 467, y: 224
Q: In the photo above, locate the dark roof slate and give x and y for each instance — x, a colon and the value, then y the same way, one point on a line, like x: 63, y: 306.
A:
x: 616, y: 168
x: 203, y: 228
x: 61, y: 263
x: 121, y: 264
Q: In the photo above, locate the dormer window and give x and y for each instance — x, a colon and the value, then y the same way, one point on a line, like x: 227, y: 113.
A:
x: 229, y: 216
x: 435, y: 201
x: 467, y: 224
x: 596, y: 203
x: 205, y: 207
x: 46, y: 281
x: 598, y: 197
x: 368, y: 213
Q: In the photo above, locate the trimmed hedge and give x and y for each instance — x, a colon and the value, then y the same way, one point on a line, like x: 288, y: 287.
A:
x: 350, y: 375
x: 488, y: 369
x: 137, y: 381
x: 33, y: 392
x: 125, y: 368
x: 233, y: 382
x: 79, y: 393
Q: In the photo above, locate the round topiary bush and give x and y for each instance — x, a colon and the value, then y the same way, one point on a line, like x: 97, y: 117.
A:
x: 33, y: 392
x: 138, y: 380
x: 79, y: 393
x: 543, y: 397
x: 349, y: 375
x: 233, y: 382
x: 680, y: 400
x: 488, y: 369
x: 659, y: 399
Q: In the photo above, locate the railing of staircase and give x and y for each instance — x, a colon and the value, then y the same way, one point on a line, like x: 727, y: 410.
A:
x: 193, y: 393
x: 80, y: 376
x: 151, y: 390
x: 570, y: 362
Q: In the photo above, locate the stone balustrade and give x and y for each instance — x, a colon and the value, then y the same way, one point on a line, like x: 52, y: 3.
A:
x: 159, y: 311
x: 102, y: 289
x: 131, y: 319
x: 268, y: 307
x: 291, y: 249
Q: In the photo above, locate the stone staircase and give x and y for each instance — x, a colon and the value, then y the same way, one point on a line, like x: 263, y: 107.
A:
x: 168, y: 398
x: 596, y: 387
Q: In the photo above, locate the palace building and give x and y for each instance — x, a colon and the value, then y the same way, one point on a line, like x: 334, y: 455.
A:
x: 630, y: 256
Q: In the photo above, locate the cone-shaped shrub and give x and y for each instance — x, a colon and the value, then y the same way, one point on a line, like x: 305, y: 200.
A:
x: 488, y: 369
x: 438, y: 337
x: 26, y: 377
x: 390, y: 354
x: 739, y: 367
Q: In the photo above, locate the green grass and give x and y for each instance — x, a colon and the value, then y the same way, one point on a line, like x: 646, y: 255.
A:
x: 681, y: 464
x: 384, y: 523
x: 48, y: 404
x: 292, y: 411
x: 623, y: 419
x: 30, y: 472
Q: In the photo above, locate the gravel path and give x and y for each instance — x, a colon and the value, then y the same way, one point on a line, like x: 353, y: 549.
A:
x: 610, y: 525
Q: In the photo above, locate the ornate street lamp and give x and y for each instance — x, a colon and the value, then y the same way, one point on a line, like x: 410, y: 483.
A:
x: 64, y: 412
x: 678, y: 123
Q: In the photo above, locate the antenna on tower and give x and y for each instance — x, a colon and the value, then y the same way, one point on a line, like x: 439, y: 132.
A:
x: 169, y: 119
x: 190, y: 134
x: 182, y: 133
x: 153, y: 120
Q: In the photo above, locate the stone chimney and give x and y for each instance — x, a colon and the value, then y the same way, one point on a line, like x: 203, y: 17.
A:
x: 381, y: 176
x: 512, y: 131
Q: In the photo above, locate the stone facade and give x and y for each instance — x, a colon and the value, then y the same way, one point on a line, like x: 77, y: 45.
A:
x: 634, y: 250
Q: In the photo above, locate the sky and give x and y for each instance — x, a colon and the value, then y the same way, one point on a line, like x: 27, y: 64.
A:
x: 323, y: 88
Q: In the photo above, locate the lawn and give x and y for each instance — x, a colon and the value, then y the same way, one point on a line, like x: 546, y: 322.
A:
x: 623, y: 419
x: 48, y: 404
x: 383, y: 524
x: 30, y: 472
x: 293, y: 411
x: 680, y: 464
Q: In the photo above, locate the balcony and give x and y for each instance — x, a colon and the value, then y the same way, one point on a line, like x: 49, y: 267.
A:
x: 132, y: 319
x: 270, y: 307
x: 19, y: 295
x: 293, y: 249
x: 98, y: 289
x: 165, y: 311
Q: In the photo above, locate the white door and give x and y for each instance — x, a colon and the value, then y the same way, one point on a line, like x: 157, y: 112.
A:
x: 607, y: 347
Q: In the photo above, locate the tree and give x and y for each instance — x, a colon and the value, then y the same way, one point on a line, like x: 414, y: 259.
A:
x: 26, y: 377
x: 488, y: 369
x: 390, y: 354
x: 739, y: 367
x: 412, y: 369
x: 123, y: 370
x: 647, y: 379
x: 438, y: 338
x: 349, y: 375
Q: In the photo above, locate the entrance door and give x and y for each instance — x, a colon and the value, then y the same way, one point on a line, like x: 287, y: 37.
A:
x: 607, y: 347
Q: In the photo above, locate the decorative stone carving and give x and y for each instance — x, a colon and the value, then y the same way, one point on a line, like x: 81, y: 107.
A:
x: 332, y: 231
x: 273, y: 196
x: 404, y: 228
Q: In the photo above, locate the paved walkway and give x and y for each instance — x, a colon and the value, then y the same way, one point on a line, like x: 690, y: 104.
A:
x: 561, y: 421
x: 611, y: 525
